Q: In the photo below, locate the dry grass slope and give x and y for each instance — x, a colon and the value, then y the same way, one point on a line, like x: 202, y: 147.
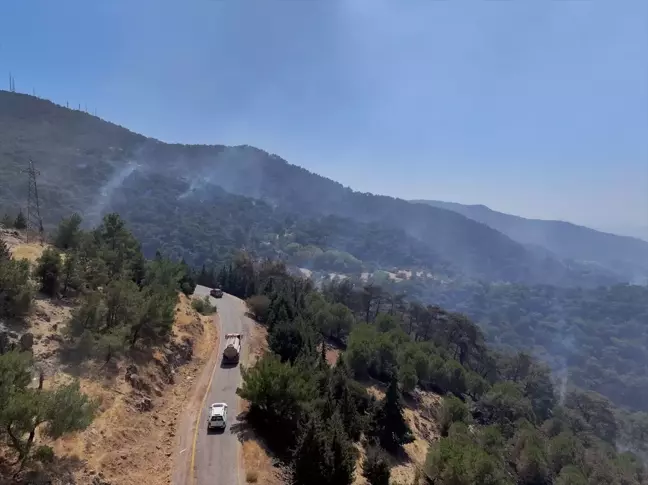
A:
x: 132, y: 440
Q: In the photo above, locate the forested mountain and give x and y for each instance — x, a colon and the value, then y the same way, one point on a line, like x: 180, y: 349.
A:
x: 500, y: 422
x: 627, y: 256
x: 594, y: 338
x: 203, y: 203
x: 90, y: 166
x: 485, y: 417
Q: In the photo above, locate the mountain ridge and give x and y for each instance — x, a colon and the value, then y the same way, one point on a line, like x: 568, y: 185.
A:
x: 484, y: 207
x: 624, y: 254
x: 81, y: 156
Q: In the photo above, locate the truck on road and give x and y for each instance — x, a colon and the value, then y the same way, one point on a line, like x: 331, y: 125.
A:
x: 217, y: 417
x: 232, y: 351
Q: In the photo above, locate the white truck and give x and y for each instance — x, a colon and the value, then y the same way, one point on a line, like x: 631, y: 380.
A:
x: 232, y: 351
x: 217, y: 417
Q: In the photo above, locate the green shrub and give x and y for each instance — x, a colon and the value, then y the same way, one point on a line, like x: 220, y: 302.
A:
x: 44, y: 454
x: 203, y: 306
x: 259, y: 306
x: 16, y: 291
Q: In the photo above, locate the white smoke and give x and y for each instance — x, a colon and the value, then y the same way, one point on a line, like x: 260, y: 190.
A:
x: 95, y: 212
x: 563, y: 378
x: 196, y: 184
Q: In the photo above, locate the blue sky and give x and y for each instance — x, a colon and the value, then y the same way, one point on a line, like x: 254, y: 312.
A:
x: 534, y: 108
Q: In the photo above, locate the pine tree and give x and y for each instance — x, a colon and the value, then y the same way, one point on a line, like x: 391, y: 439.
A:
x: 68, y: 234
x: 375, y: 467
x: 280, y: 311
x: 21, y: 221
x: 15, y: 288
x: 48, y: 271
x: 70, y: 272
x: 341, y: 452
x: 341, y: 394
x: 311, y: 458
x: 187, y: 281
x: 203, y: 277
x: 290, y: 339
x: 388, y: 424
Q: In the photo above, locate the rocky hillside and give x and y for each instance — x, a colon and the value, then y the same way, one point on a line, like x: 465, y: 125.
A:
x: 91, y: 166
x: 143, y: 394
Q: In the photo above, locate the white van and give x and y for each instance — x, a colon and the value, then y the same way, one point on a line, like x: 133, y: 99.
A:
x: 217, y: 416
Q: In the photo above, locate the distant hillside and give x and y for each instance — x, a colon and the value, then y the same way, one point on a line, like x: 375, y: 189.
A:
x: 627, y: 256
x: 637, y: 231
x: 91, y: 166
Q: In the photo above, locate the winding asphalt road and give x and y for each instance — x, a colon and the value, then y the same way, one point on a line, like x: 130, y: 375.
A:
x: 215, y: 454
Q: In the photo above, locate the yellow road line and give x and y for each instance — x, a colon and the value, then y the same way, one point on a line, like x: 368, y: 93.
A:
x: 192, y: 473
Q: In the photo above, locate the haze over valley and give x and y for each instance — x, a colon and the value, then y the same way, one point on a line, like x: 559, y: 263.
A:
x: 203, y: 203
x: 346, y: 242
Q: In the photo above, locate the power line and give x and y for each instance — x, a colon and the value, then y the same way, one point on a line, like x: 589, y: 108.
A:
x: 34, y: 220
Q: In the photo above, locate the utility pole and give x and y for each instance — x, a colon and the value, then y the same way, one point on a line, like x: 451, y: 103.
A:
x: 34, y: 220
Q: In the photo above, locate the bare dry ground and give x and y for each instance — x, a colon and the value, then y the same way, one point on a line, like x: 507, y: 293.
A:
x: 20, y: 248
x: 131, y: 442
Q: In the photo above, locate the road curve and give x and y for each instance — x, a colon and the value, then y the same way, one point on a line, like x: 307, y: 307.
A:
x: 215, y: 454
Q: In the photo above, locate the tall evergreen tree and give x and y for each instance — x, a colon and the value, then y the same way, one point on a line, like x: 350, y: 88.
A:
x: 187, y: 281
x: 70, y: 273
x: 311, y: 458
x: 341, y: 394
x: 388, y: 423
x: 48, y: 271
x: 68, y: 234
x: 21, y: 221
x: 375, y: 467
x: 291, y: 339
x: 280, y: 311
x: 203, y: 277
x: 342, y: 455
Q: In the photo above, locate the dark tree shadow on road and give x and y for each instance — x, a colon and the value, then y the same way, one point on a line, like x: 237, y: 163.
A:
x: 245, y: 432
x: 211, y: 431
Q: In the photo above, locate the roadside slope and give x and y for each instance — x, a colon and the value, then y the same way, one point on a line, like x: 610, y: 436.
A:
x: 131, y: 440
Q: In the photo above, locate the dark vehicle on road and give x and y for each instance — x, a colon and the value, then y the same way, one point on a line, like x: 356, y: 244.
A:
x: 216, y: 293
x: 232, y: 350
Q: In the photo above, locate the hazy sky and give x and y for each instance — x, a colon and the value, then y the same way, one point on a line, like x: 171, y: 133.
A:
x: 534, y: 108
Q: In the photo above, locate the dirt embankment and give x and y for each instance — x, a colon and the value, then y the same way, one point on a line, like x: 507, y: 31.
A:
x: 132, y: 440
